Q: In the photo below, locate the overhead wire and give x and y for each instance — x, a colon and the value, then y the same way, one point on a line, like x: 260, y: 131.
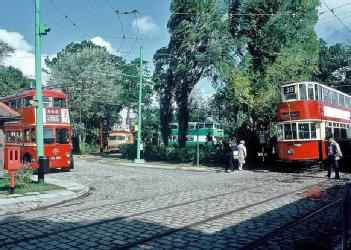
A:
x: 332, y: 11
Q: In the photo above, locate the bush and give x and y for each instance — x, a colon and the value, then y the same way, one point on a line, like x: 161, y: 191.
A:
x: 23, y: 177
x: 128, y: 151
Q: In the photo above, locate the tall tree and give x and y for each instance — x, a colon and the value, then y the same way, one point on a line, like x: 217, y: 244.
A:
x: 88, y: 74
x: 196, y: 31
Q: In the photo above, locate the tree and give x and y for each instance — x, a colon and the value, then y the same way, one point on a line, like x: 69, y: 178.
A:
x: 193, y: 37
x: 12, y: 80
x: 90, y: 77
x: 5, y: 50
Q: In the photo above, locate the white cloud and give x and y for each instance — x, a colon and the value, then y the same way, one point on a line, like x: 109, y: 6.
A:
x: 22, y: 58
x: 103, y: 43
x: 145, y: 25
x: 15, y: 40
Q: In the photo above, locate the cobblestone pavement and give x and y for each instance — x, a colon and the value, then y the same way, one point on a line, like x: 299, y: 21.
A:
x: 142, y: 208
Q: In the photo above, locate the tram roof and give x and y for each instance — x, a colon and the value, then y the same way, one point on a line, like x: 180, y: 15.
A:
x: 320, y: 84
x: 31, y: 92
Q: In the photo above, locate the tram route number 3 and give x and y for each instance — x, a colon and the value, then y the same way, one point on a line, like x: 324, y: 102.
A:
x: 289, y: 90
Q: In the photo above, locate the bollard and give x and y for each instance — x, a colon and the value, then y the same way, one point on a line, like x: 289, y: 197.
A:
x: 346, y: 220
x: 12, y: 181
x: 43, y: 168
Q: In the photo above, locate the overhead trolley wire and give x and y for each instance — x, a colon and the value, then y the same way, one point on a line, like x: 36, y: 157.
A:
x: 332, y: 11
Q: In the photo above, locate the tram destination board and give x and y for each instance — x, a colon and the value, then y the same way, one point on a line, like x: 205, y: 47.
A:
x: 289, y: 90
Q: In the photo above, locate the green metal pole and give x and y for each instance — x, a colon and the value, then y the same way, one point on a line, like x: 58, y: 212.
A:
x: 38, y: 83
x: 139, y: 102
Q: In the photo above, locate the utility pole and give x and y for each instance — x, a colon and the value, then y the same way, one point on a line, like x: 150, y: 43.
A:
x: 197, y: 140
x: 40, y: 30
x: 138, y: 160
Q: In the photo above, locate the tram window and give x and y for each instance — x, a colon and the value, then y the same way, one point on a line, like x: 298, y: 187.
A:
x: 341, y: 100
x: 190, y: 138
x: 62, y: 136
x: 337, y: 133
x: 19, y: 103
x: 347, y: 102
x: 304, y: 131
x: 334, y: 98
x: 26, y: 135
x: 343, y: 134
x: 310, y: 92
x: 316, y: 91
x: 173, y: 126
x: 201, y: 125
x: 49, y: 137
x: 32, y: 134
x: 13, y: 104
x: 209, y: 125
x: 112, y: 138
x: 60, y: 103
x: 279, y: 132
x: 191, y: 126
x: 47, y: 101
x: 328, y: 132
x: 302, y: 90
x: 19, y: 136
x: 27, y: 100
x: 326, y: 95
x: 290, y: 131
x: 313, y: 131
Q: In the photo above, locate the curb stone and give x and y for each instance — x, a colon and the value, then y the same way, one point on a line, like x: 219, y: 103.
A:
x: 70, y: 190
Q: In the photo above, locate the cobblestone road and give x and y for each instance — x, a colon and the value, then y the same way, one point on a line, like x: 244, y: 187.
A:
x: 143, y: 208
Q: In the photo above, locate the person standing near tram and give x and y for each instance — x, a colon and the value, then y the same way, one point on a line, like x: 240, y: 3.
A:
x: 334, y: 155
x: 241, y: 154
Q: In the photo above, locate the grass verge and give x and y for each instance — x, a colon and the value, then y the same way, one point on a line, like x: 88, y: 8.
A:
x: 32, y: 187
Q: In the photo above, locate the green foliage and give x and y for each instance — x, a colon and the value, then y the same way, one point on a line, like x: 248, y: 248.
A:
x: 23, y: 177
x: 193, y: 38
x: 128, y: 151
x: 12, y: 80
x: 5, y: 50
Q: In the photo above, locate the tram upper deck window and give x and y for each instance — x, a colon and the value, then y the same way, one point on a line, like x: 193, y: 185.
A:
x: 27, y: 100
x: 341, y: 100
x: 46, y: 101
x: 304, y: 131
x: 60, y: 103
x: 290, y: 131
x: 317, y: 91
x: 290, y: 93
x: 208, y: 125
x: 347, y: 102
x: 310, y: 92
x: 334, y: 98
x: 302, y: 91
x: 325, y: 95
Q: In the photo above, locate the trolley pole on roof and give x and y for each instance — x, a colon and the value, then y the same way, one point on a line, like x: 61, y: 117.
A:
x: 138, y: 160
x: 40, y: 30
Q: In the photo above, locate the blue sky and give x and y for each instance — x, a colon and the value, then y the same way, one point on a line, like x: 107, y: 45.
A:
x: 95, y: 20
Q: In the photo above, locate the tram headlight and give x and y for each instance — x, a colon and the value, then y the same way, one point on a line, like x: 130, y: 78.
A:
x: 290, y: 151
x: 68, y: 154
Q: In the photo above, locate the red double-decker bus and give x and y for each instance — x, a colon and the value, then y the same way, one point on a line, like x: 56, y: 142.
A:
x: 309, y: 114
x: 56, y: 126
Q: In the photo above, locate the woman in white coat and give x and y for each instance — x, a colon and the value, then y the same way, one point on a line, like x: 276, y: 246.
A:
x: 241, y: 154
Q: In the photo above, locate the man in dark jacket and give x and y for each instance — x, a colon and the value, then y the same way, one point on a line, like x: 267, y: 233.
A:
x: 334, y: 155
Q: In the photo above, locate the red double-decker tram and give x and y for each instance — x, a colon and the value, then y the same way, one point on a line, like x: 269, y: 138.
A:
x: 56, y: 128
x: 309, y: 114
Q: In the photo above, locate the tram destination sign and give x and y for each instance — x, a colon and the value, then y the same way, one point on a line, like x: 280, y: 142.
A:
x: 289, y: 90
x: 291, y: 115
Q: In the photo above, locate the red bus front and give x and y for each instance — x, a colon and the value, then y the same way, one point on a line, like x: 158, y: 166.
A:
x: 56, y: 128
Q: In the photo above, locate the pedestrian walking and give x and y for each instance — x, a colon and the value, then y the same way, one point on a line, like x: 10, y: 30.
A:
x: 241, y: 154
x: 228, y: 154
x: 334, y: 155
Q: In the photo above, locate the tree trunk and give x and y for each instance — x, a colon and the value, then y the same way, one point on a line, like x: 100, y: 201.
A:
x: 183, y: 114
x: 166, y: 116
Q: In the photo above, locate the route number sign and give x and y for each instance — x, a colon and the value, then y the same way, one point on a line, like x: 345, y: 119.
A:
x: 289, y: 90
